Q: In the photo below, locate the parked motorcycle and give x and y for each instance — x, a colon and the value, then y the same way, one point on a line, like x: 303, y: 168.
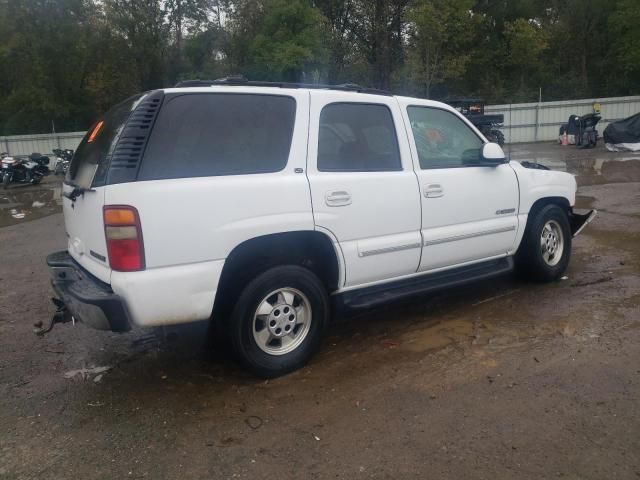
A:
x: 63, y: 160
x: 29, y: 170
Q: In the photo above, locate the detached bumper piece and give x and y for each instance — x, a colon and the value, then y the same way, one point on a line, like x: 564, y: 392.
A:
x: 579, y: 221
x: 84, y: 298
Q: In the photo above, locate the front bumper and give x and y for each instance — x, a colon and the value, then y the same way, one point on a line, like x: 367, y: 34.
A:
x: 89, y: 300
x: 579, y: 221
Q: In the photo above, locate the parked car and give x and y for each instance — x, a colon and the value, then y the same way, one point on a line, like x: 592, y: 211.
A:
x: 263, y: 207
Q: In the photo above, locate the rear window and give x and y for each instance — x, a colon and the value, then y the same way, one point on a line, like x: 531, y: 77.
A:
x: 357, y: 137
x: 210, y: 134
x: 92, y: 153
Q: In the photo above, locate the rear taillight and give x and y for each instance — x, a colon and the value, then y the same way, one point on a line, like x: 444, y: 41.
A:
x: 124, y: 238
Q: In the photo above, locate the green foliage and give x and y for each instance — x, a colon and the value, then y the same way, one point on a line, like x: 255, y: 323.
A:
x: 64, y: 62
x: 440, y: 35
x: 624, y: 25
x: 285, y: 42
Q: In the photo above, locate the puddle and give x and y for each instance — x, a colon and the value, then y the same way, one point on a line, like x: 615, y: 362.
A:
x: 20, y: 204
x: 591, y: 166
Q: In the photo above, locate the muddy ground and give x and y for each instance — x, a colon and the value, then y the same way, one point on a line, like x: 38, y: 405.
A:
x: 502, y: 379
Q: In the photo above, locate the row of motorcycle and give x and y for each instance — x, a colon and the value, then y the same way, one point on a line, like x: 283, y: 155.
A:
x: 33, y: 168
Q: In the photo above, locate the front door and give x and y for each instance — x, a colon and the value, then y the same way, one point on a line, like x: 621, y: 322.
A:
x: 364, y: 190
x: 469, y: 213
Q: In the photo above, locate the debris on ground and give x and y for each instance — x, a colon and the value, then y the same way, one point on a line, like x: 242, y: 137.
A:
x: 254, y: 422
x: 85, y: 373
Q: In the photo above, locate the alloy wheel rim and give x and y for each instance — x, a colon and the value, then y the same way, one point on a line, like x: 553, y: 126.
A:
x: 551, y: 243
x: 281, y: 321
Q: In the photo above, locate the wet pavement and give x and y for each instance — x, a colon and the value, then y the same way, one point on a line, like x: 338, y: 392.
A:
x: 501, y: 379
x: 591, y: 166
x: 20, y: 203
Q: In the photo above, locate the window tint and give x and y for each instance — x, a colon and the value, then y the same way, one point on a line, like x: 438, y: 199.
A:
x: 356, y: 137
x: 91, y: 155
x: 200, y: 135
x: 442, y: 139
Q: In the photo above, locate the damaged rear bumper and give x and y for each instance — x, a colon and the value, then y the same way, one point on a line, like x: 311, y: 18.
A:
x: 88, y: 300
x: 578, y: 221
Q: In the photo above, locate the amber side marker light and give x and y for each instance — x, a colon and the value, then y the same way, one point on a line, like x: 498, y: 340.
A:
x: 95, y: 131
x: 124, y: 238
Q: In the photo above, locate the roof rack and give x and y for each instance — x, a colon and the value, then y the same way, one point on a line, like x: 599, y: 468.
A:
x: 238, y: 80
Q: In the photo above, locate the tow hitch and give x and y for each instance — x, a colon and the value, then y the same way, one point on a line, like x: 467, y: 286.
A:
x: 61, y: 315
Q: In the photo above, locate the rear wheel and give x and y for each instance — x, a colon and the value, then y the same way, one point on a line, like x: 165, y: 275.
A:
x: 279, y: 320
x: 545, y: 250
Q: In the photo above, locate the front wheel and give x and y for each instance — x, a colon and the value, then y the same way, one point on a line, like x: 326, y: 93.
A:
x: 279, y: 320
x: 6, y: 180
x: 545, y: 250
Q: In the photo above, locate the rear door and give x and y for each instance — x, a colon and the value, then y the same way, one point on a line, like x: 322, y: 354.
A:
x: 88, y: 170
x: 363, y: 187
x: 469, y: 212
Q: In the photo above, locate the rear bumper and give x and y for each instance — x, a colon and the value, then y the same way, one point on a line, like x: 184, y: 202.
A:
x: 89, y: 300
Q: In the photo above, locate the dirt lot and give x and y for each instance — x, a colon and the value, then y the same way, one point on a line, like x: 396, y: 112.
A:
x: 498, y: 380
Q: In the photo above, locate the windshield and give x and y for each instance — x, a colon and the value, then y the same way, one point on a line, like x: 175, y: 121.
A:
x: 91, y: 160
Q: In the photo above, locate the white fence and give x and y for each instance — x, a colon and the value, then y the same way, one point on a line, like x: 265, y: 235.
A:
x: 45, y: 143
x: 523, y: 122
x: 534, y: 122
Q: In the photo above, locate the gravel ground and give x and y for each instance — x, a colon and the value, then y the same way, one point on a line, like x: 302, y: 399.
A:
x: 502, y: 379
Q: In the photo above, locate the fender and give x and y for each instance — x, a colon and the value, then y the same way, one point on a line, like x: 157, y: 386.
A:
x: 536, y: 184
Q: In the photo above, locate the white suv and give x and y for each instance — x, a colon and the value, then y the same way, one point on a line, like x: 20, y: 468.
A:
x: 264, y: 206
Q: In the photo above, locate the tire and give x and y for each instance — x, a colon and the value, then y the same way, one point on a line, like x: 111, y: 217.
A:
x: 498, y: 137
x: 6, y: 180
x: 289, y: 297
x: 544, y: 259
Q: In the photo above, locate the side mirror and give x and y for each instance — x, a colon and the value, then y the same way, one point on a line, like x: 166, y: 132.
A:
x: 492, y: 154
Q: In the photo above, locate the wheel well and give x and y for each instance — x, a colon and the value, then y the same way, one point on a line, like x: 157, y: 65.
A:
x: 309, y: 249
x: 543, y: 202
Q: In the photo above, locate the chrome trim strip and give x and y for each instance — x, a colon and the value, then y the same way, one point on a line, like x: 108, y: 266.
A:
x: 378, y: 251
x: 469, y: 235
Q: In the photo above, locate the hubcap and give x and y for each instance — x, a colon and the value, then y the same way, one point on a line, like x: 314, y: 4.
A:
x: 551, y: 243
x: 281, y: 321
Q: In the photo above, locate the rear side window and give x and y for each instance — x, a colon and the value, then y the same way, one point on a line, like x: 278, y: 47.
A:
x: 210, y: 134
x: 357, y: 137
x: 91, y: 156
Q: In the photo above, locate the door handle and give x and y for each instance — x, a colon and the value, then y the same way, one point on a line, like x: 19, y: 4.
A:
x: 434, y: 190
x: 338, y: 198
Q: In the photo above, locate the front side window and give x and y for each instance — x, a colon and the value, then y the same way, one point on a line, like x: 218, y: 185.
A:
x: 442, y: 139
x: 357, y: 137
x: 209, y: 134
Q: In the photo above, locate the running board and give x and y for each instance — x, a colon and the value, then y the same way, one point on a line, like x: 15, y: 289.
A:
x: 368, y: 297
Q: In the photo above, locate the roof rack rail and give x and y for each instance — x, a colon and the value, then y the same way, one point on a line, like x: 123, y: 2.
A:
x: 239, y: 80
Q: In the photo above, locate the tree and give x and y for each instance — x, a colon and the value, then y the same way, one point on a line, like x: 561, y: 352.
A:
x: 439, y: 37
x: 141, y: 24
x: 279, y: 40
x: 526, y: 43
x: 625, y: 44
x: 340, y: 18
